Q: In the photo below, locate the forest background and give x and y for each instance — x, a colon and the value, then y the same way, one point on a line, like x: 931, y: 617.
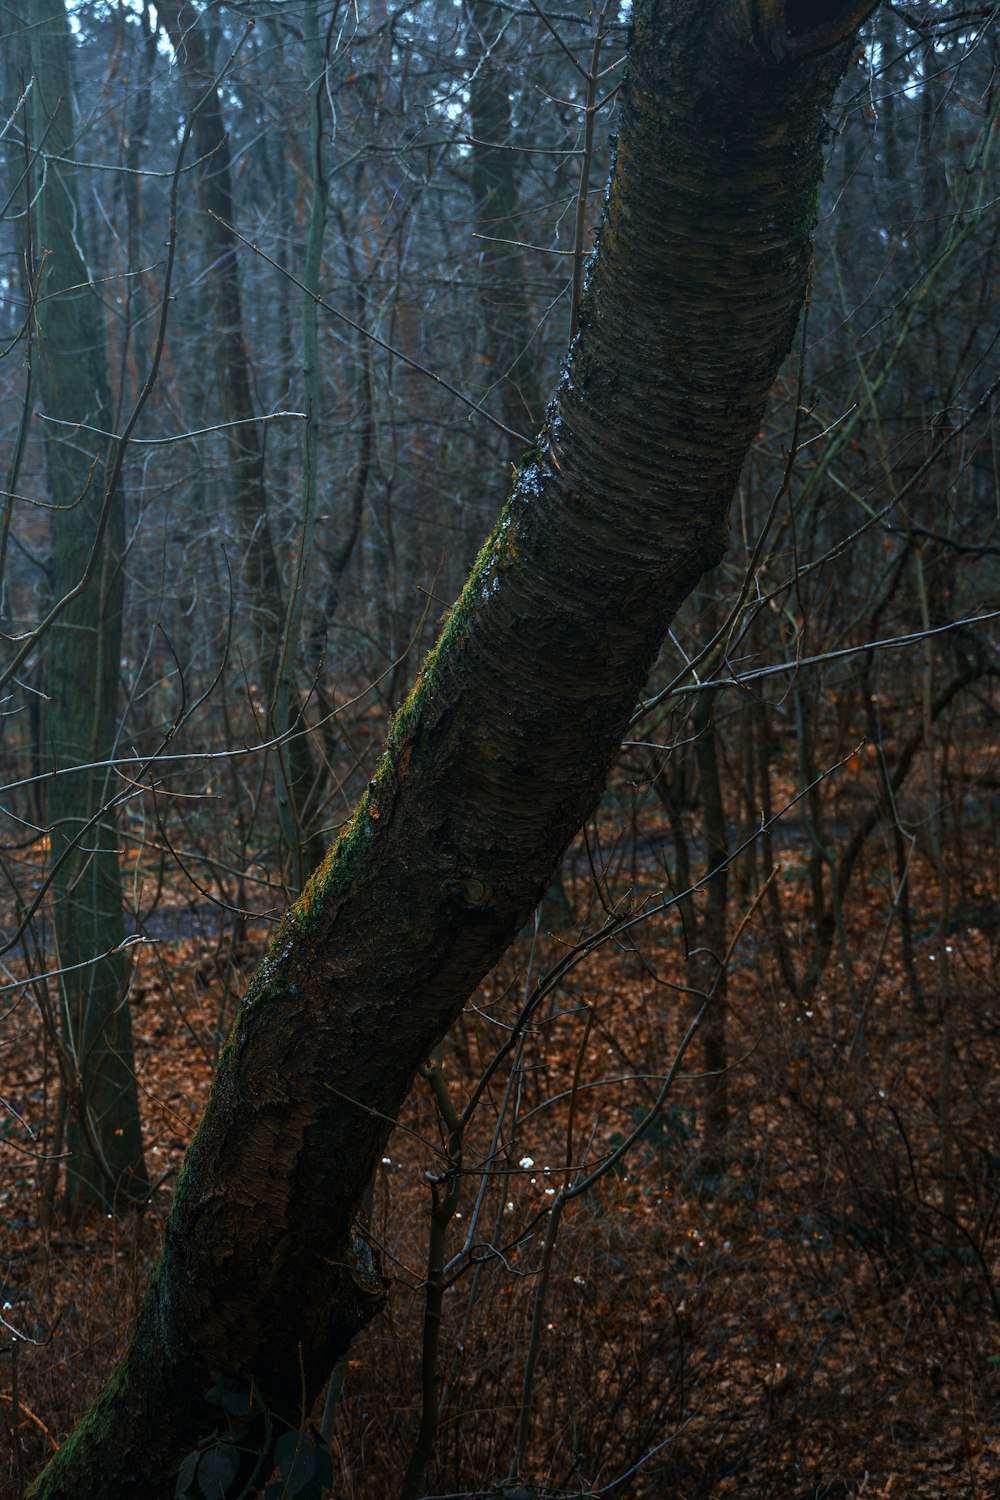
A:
x: 321, y: 270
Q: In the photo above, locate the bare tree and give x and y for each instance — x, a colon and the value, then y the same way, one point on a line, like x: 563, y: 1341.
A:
x: 504, y: 744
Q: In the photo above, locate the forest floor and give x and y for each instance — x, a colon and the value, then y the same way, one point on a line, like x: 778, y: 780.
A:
x: 814, y: 1314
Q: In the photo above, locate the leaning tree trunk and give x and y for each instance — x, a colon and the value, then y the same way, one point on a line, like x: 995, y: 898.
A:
x: 104, y: 1158
x: 503, y: 747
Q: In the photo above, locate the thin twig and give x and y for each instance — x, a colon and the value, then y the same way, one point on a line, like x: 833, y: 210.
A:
x: 414, y: 364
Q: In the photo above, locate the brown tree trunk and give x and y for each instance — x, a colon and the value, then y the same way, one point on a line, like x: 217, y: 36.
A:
x: 710, y: 967
x: 502, y: 749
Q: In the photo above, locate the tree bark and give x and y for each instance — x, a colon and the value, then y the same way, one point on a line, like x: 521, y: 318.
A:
x: 711, y: 977
x: 103, y: 1137
x: 511, y: 363
x: 503, y: 746
x: 273, y: 644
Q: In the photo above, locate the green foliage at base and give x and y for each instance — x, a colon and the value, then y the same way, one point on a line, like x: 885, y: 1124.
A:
x: 229, y: 1464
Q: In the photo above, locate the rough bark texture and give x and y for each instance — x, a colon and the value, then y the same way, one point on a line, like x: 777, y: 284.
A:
x: 503, y: 747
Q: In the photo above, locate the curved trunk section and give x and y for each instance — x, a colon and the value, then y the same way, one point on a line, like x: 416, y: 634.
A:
x: 503, y: 747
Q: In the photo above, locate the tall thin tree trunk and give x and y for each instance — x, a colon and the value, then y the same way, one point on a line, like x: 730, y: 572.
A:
x: 273, y: 644
x: 104, y: 1141
x: 511, y: 363
x: 710, y: 967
